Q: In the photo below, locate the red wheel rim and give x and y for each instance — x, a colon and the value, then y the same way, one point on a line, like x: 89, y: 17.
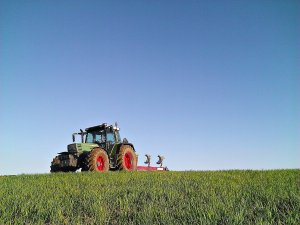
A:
x: 128, y: 161
x: 100, y: 163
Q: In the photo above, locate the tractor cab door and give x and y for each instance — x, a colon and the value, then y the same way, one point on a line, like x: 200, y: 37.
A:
x: 110, y: 141
x: 111, y: 148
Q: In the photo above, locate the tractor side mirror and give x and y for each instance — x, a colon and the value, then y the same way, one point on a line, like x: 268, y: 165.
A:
x: 73, y: 137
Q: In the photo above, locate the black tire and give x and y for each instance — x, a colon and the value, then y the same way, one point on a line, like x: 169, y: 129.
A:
x: 97, y: 160
x: 127, y: 159
x: 54, y: 168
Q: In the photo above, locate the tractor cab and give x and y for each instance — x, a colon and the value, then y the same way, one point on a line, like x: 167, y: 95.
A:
x: 103, y: 135
x: 106, y: 136
x: 99, y: 134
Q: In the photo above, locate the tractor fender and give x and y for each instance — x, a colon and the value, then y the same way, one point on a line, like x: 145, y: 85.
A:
x: 120, y: 146
x: 104, y: 149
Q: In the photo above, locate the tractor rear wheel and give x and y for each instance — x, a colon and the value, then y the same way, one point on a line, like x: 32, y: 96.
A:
x: 127, y: 159
x: 98, y: 160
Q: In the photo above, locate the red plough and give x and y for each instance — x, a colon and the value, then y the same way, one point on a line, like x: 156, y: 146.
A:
x: 153, y: 168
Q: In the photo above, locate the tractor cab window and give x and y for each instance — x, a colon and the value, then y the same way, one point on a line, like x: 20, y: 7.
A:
x: 110, y: 137
x: 96, y: 136
x: 89, y: 138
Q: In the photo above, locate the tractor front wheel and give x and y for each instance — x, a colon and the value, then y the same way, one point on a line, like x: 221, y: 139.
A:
x: 127, y: 159
x: 98, y: 160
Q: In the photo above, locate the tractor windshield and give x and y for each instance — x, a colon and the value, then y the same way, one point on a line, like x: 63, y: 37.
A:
x: 95, y: 136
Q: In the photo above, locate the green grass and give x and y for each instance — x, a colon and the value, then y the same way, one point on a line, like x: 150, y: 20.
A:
x: 220, y: 197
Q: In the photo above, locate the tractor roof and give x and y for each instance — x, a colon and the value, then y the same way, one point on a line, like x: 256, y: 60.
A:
x: 97, y: 128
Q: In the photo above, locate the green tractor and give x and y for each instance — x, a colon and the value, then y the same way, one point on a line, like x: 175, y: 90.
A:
x: 101, y: 149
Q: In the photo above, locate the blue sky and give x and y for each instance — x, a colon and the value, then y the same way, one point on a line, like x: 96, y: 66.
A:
x: 209, y: 84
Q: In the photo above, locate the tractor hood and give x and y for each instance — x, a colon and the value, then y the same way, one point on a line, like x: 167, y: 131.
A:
x: 81, y: 147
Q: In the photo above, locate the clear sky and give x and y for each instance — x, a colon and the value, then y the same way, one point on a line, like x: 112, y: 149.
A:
x: 209, y: 84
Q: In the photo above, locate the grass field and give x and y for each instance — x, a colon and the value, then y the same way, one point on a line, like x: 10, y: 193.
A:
x: 220, y: 197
